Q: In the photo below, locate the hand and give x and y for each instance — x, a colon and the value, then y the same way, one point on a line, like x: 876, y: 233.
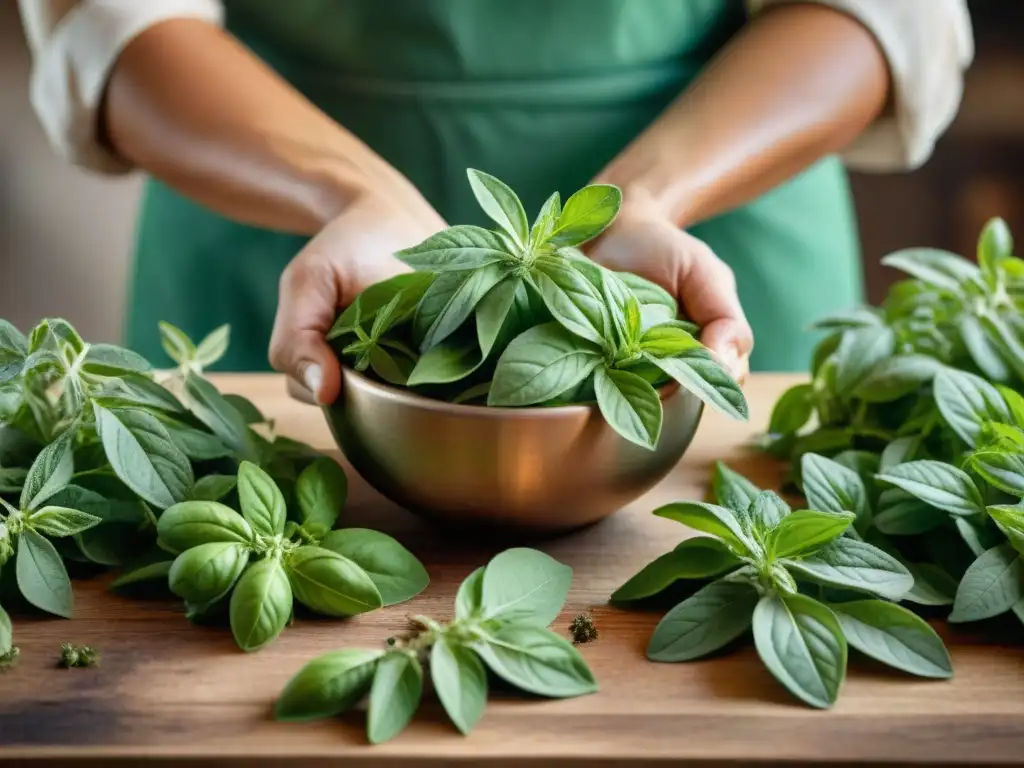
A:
x: 643, y: 241
x: 352, y: 252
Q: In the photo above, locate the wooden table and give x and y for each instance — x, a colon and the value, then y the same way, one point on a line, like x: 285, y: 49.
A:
x: 169, y: 690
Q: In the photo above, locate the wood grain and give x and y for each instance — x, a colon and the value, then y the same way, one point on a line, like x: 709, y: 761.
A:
x: 166, y: 690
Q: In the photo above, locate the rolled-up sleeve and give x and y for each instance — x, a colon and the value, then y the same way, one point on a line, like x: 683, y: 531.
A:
x: 928, y: 44
x: 74, y: 45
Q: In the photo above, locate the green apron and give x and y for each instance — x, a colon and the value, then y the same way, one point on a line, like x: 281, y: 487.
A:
x: 541, y: 94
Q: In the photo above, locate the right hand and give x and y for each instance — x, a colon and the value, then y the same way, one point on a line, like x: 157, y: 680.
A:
x: 352, y: 252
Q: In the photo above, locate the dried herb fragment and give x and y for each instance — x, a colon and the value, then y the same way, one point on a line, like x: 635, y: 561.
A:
x: 10, y: 658
x: 78, y: 656
x: 583, y: 629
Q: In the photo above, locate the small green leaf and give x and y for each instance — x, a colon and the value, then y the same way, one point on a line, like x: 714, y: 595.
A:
x: 831, y: 487
x: 210, y: 407
x: 155, y: 571
x: 630, y: 405
x: 703, y: 623
x: 856, y: 565
x: 213, y: 487
x: 572, y: 299
x: 546, y: 219
x: 192, y: 523
x: 586, y: 214
x: 938, y: 268
x: 792, y: 411
x: 214, y: 346
x: 457, y: 248
x: 859, y: 352
x: 330, y: 583
x: 525, y: 586
x: 540, y: 364
x: 806, y: 531
x: 707, y: 380
x: 328, y: 685
x: 176, y: 344
x: 61, y: 521
x: 42, y: 578
x: 709, y: 518
x: 802, y: 644
x: 111, y: 360
x: 449, y: 361
x: 995, y: 245
x: 1003, y: 470
x: 321, y: 489
x: 469, y: 599
x: 395, y: 571
x: 992, y: 585
x: 731, y: 489
x: 667, y: 340
x: 49, y: 473
x: 6, y: 632
x: 537, y: 661
x: 967, y: 402
x: 460, y: 680
x: 462, y: 299
x: 894, y: 636
x: 900, y: 514
x: 194, y: 443
x: 767, y: 510
x: 941, y: 485
x: 1011, y: 522
x: 501, y: 204
x: 700, y: 557
x: 896, y: 377
x: 261, y: 500
x: 394, y: 695
x: 261, y: 604
x: 899, y: 451
x: 205, y: 573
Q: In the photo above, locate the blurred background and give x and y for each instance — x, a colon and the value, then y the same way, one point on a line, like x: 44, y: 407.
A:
x: 65, y: 235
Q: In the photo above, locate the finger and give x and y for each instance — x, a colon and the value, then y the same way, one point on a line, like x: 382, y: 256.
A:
x: 299, y: 392
x: 307, y: 305
x: 731, y: 343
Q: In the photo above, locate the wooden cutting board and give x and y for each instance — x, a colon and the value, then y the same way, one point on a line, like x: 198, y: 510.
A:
x: 171, y: 691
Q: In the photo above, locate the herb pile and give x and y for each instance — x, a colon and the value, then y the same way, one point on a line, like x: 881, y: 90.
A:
x: 106, y: 463
x: 502, y: 612
x: 518, y: 316
x: 804, y: 581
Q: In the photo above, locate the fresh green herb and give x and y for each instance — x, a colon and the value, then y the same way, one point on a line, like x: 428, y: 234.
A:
x: 9, y: 658
x: 582, y: 629
x: 78, y: 656
x: 502, y: 611
x: 518, y: 316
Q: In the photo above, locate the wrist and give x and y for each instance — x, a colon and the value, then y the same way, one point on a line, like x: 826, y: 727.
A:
x: 656, y: 186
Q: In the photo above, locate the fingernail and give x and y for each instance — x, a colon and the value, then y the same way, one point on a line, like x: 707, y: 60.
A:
x: 312, y: 378
x: 731, y: 359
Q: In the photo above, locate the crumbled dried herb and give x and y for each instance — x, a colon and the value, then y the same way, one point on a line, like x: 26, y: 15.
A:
x: 78, y: 656
x: 583, y: 629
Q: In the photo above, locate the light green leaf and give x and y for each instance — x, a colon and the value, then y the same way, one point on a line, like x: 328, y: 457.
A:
x: 328, y: 685
x: 731, y: 489
x: 460, y: 680
x: 261, y: 500
x: 176, y: 344
x: 525, y: 586
x: 457, y: 248
x: 363, y: 311
x: 703, y: 623
x: 210, y: 407
x: 261, y: 605
x: 709, y: 518
x: 939, y: 484
x: 143, y: 455
x: 667, y: 340
x: 214, y: 346
x: 767, y: 510
x: 860, y: 350
x: 154, y: 571
x: 992, y: 585
x: 586, y: 214
x: 394, y: 695
x: 50, y: 472
x: 205, y: 573
x: 941, y: 269
x: 537, y: 661
x: 330, y: 583
x: 540, y: 364
x: 321, y: 489
x: 463, y: 300
x: 630, y: 405
x: 802, y: 644
x: 983, y: 351
x: 395, y: 571
x: 6, y: 632
x: 707, y: 380
x: 492, y: 313
x: 451, y: 360
x: 191, y: 523
x: 194, y: 443
x: 469, y: 599
x: 857, y: 565
x: 805, y: 531
x: 1001, y: 469
x: 896, y: 377
x: 572, y: 299
x: 967, y: 401
x: 213, y: 487
x: 899, y: 451
x: 900, y: 514
x: 546, y: 219
x: 61, y: 521
x: 700, y: 557
x: 792, y: 411
x: 42, y: 579
x: 111, y: 360
x: 1011, y: 522
x: 831, y: 487
x: 894, y: 636
x: 501, y: 204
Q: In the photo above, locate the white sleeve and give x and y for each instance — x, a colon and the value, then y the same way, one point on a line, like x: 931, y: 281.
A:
x: 74, y: 44
x: 929, y: 44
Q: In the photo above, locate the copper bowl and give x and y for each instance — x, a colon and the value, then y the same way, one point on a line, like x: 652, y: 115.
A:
x: 535, y: 470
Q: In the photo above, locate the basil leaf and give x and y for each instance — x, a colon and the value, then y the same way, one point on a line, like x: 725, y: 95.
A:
x: 49, y: 473
x: 546, y: 219
x: 447, y: 362
x: 12, y: 480
x: 967, y: 401
x: 572, y: 299
x: 143, y: 455
x: 395, y: 571
x: 537, y: 661
x: 700, y: 557
x: 501, y: 204
x: 1003, y: 470
x: 831, y: 487
x: 932, y: 585
x: 708, y: 381
x: 667, y: 340
x: 648, y: 293
x: 42, y: 578
x: 941, y: 269
x: 805, y: 531
x: 328, y: 685
x: 394, y: 696
x: 895, y: 377
x: 978, y: 537
x: 460, y: 680
x: 329, y: 583
x: 731, y: 489
x: 995, y: 245
x: 141, y: 392
x: 213, y: 487
x: 210, y: 407
x: 469, y: 599
x: 992, y: 585
x: 856, y: 317
x: 540, y: 364
x: 460, y: 305
x: 900, y: 514
x: 856, y: 565
x: 709, y: 518
x: 792, y: 411
x: 982, y: 350
x: 704, y: 622
x: 586, y: 214
x: 194, y: 443
x: 192, y: 523
x: 205, y: 573
x: 802, y: 644
x: 246, y: 408
x: 493, y: 311
x: 941, y: 485
x: 13, y: 350
x: 860, y: 350
x: 261, y: 604
x: 899, y: 451
x: 321, y: 489
x: 61, y: 521
x: 412, y: 286
x: 394, y: 369
x: 525, y: 586
x: 894, y: 636
x: 261, y: 500
x: 213, y: 346
x: 629, y: 405
x: 6, y: 629
x: 176, y: 344
x: 767, y: 510
x: 1011, y: 522
x: 156, y: 571
x: 457, y: 248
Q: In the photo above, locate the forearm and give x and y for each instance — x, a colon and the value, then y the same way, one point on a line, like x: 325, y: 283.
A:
x: 798, y: 83
x: 191, y: 106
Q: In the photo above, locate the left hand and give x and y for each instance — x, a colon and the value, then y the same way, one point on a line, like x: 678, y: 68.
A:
x: 644, y: 241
